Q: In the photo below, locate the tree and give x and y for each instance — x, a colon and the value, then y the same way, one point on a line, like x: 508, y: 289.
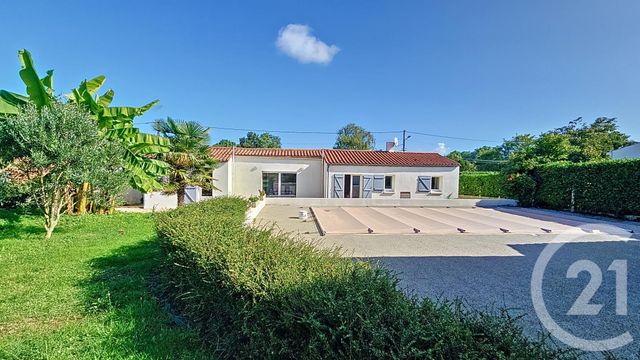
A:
x: 191, y: 164
x: 593, y: 141
x: 141, y: 149
x: 354, y: 137
x: 49, y: 150
x: 465, y: 165
x: 264, y: 140
x: 225, y: 143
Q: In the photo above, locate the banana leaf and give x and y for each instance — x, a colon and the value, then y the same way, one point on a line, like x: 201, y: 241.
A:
x: 47, y: 81
x: 35, y: 88
x: 105, y: 100
x: 10, y: 102
x: 92, y: 86
x: 122, y: 133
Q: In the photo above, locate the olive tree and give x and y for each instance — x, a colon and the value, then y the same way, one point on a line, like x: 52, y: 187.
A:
x: 50, y: 150
x: 354, y: 137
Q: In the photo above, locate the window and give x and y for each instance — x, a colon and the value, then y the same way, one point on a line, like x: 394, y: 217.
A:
x: 388, y: 183
x: 279, y: 184
x: 207, y: 192
x: 287, y: 184
x: 435, y: 184
x: 270, y: 183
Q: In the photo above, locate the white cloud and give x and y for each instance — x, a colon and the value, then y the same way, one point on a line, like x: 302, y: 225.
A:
x: 442, y: 149
x: 296, y: 41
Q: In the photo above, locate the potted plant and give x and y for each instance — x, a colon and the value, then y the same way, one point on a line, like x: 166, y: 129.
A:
x: 253, y: 200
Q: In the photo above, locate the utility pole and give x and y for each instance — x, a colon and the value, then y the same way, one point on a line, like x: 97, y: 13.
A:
x: 404, y: 140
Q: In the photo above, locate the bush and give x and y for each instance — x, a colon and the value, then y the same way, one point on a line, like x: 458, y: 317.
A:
x: 522, y: 187
x: 600, y: 187
x: 483, y: 183
x: 254, y: 293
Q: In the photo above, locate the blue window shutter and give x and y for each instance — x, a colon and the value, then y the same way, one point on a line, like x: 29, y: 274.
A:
x: 424, y: 183
x: 367, y: 187
x: 338, y: 185
x: 378, y: 182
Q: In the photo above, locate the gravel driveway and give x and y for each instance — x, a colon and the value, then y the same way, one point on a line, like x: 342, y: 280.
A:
x: 494, y: 282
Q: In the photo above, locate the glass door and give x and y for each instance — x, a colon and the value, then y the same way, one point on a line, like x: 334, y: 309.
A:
x: 355, y: 187
x: 270, y: 183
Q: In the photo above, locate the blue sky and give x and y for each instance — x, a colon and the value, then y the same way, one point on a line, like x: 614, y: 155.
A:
x: 469, y: 69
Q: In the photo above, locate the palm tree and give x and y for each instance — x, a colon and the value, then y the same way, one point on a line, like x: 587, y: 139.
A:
x: 188, y: 156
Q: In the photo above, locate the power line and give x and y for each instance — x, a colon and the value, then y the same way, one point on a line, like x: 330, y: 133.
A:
x: 287, y: 131
x: 336, y: 132
x: 452, y: 137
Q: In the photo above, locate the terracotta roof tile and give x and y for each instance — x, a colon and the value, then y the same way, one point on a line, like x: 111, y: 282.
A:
x: 342, y: 157
x: 386, y: 158
x: 224, y: 153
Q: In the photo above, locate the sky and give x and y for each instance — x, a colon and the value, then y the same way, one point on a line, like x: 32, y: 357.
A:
x: 471, y: 73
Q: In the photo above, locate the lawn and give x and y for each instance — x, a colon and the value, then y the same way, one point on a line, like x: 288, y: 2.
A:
x: 86, y: 294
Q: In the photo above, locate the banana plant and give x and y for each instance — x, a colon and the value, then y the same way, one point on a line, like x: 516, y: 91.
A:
x: 40, y: 91
x: 113, y: 122
x: 117, y: 123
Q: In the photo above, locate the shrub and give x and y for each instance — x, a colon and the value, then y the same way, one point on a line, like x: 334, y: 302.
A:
x: 483, y: 183
x: 522, y: 187
x: 599, y: 187
x: 255, y: 293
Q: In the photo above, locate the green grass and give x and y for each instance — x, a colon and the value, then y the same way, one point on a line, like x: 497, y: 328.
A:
x: 86, y: 294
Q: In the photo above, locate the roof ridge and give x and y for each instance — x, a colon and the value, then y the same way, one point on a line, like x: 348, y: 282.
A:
x: 328, y: 149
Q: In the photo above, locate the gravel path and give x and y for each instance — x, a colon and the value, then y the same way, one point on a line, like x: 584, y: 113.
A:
x: 493, y: 282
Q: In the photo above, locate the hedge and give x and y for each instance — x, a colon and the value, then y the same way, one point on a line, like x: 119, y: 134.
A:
x: 255, y: 293
x: 483, y: 183
x: 608, y: 187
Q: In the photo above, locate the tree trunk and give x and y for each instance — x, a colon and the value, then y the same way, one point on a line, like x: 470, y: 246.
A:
x: 82, y: 198
x: 112, y: 207
x: 52, y: 215
x: 68, y: 196
x: 181, y: 191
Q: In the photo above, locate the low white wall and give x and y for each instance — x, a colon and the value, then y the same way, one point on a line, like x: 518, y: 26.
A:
x: 436, y: 202
x: 246, y: 174
x: 160, y: 201
x: 253, y: 212
x: 405, y: 180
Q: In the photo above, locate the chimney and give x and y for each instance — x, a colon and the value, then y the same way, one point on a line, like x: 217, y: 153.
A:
x: 391, y: 145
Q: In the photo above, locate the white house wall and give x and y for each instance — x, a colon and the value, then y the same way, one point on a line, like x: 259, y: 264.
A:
x: 405, y: 180
x: 222, y: 179
x: 246, y: 174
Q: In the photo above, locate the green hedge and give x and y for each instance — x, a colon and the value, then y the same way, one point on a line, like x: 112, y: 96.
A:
x: 604, y: 187
x: 255, y: 293
x: 483, y: 183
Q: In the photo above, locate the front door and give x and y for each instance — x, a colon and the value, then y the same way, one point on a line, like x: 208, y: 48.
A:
x: 355, y: 187
x: 347, y: 186
x: 352, y: 186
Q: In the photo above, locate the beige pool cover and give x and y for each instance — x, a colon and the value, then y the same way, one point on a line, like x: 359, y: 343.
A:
x: 422, y: 220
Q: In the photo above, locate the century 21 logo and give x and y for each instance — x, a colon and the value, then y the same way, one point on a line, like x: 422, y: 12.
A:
x: 582, y: 304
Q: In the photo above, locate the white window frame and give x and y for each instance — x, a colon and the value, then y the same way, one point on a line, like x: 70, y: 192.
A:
x: 279, y: 182
x: 393, y: 184
x: 437, y: 190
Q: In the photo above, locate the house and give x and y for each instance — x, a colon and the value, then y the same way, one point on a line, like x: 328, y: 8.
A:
x: 628, y: 152
x: 331, y: 173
